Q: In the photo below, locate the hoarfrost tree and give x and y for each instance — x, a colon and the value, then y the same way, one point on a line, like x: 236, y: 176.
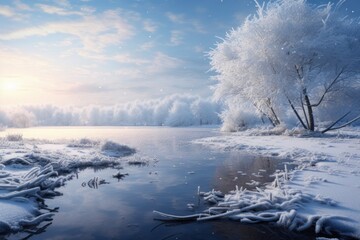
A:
x: 291, y: 55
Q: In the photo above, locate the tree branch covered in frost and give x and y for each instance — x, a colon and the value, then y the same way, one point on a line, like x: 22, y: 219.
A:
x: 175, y: 110
x: 291, y: 58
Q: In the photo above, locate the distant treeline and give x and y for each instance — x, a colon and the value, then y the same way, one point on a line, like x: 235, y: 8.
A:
x: 175, y: 110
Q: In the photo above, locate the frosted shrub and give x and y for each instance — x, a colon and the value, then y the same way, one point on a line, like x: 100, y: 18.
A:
x: 84, y: 143
x: 87, y: 141
x: 15, y: 137
x: 114, y: 149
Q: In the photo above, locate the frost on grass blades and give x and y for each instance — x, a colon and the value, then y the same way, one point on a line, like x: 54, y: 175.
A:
x: 276, y: 204
x: 31, y: 170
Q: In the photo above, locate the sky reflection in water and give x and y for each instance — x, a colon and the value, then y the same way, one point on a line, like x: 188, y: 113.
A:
x: 122, y: 209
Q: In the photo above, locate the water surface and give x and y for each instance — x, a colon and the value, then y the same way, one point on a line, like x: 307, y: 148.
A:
x: 122, y: 208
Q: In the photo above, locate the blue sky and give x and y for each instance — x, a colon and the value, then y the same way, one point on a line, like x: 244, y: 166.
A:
x: 112, y: 51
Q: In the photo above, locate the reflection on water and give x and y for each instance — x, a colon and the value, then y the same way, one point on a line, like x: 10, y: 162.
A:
x: 106, y: 207
x: 244, y: 170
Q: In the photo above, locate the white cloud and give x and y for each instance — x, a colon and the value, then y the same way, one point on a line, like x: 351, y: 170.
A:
x: 64, y: 3
x: 149, y: 26
x: 175, y: 18
x: 163, y: 63
x: 94, y: 32
x: 49, y: 9
x: 22, y: 6
x: 88, y: 10
x: 6, y: 11
x: 198, y: 27
x: 147, y: 46
x: 176, y: 37
x: 181, y: 19
x: 27, y: 70
x: 127, y: 58
x: 199, y: 49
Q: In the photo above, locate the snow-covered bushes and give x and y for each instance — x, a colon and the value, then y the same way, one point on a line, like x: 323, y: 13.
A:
x: 114, y: 149
x: 14, y: 137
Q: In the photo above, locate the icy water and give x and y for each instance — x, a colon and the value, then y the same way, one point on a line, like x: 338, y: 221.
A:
x: 123, y: 208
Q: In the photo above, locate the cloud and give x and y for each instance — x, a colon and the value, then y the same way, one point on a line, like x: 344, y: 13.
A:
x: 198, y: 26
x: 88, y: 10
x: 163, y: 63
x: 147, y: 46
x: 94, y: 32
x: 6, y: 11
x: 176, y: 37
x: 14, y: 13
x: 127, y: 58
x: 22, y: 6
x: 181, y: 19
x: 90, y: 88
x: 175, y: 18
x: 49, y: 9
x: 199, y: 49
x: 16, y: 63
x: 149, y: 26
x: 64, y: 3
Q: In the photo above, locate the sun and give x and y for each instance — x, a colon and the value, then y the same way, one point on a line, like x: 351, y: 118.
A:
x: 9, y: 86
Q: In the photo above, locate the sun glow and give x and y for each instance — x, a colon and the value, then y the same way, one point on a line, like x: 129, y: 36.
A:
x: 9, y: 86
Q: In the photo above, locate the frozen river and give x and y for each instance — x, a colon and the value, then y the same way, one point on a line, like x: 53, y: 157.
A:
x: 123, y: 208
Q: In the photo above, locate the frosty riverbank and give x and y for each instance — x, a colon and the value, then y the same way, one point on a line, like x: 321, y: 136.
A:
x: 328, y: 171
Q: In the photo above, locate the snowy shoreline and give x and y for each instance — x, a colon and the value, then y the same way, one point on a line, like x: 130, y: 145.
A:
x: 322, y: 193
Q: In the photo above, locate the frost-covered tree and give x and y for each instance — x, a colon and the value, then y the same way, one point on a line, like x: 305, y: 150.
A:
x: 290, y: 55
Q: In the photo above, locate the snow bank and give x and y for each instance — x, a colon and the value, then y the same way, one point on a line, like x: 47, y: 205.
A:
x: 320, y: 194
x: 174, y: 110
x: 31, y: 170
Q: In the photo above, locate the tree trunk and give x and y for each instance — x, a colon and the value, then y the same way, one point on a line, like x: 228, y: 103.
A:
x: 296, y: 113
x: 310, y: 113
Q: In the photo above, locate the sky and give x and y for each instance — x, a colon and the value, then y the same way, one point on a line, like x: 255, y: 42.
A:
x: 106, y: 52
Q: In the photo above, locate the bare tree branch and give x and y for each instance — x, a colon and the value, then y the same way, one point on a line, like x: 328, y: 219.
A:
x: 344, y: 125
x: 328, y: 88
x: 296, y: 113
x: 331, y: 125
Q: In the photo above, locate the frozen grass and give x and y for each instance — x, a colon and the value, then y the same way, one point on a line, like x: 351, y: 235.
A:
x: 31, y: 170
x: 22, y: 196
x: 318, y: 194
x: 15, y: 137
x: 84, y: 143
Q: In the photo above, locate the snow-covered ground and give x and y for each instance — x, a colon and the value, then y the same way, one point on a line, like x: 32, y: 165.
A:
x: 322, y: 192
x: 31, y: 170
